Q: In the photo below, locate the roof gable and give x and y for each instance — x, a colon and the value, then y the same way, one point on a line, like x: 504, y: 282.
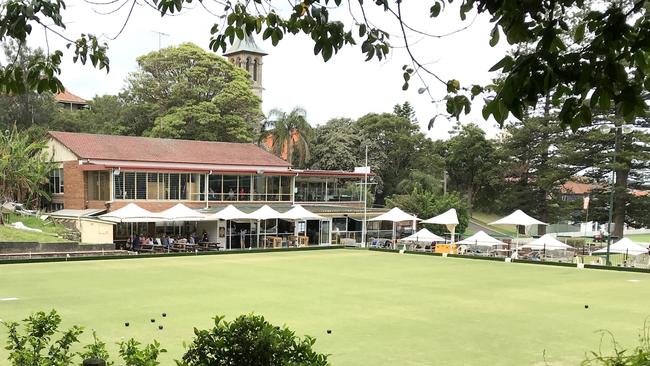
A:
x: 146, y: 149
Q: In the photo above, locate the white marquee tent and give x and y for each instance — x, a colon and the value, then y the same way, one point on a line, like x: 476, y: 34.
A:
x: 624, y: 246
x: 298, y: 212
x: 229, y: 213
x: 482, y: 239
x: 424, y: 236
x: 546, y: 242
x: 448, y: 218
x: 132, y: 213
x: 180, y: 212
x: 518, y: 217
x: 396, y: 215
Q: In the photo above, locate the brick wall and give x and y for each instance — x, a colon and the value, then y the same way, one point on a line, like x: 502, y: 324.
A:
x: 74, y: 196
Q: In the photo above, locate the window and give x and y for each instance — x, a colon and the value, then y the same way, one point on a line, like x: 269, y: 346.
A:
x: 152, y: 186
x: 140, y: 186
x: 244, y: 188
x: 56, y: 181
x: 285, y: 188
x: 255, y: 70
x: 259, y: 185
x: 248, y: 64
x: 230, y: 188
x: 97, y: 188
x: 272, y: 188
x: 215, y: 185
x: 129, y: 185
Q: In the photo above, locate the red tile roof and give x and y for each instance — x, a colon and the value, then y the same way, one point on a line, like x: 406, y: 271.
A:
x: 145, y: 149
x: 576, y: 187
x: 67, y: 97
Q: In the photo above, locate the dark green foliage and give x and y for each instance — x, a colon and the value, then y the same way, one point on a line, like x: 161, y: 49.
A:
x: 250, y: 340
x: 288, y: 135
x: 34, y: 343
x: 96, y: 350
x: 133, y: 354
x: 427, y: 204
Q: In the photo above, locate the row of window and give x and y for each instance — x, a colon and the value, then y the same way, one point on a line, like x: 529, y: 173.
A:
x: 192, y: 187
x: 195, y: 187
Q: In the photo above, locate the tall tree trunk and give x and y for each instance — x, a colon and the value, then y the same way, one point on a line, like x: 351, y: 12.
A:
x: 620, y: 201
x: 290, y: 149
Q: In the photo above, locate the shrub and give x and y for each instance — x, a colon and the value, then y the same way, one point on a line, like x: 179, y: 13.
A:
x: 250, y: 341
x: 33, y: 344
x: 638, y: 356
x: 575, y: 242
x: 36, y: 347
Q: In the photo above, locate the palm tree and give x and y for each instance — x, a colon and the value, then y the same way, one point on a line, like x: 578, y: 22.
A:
x: 286, y: 134
x: 24, y: 167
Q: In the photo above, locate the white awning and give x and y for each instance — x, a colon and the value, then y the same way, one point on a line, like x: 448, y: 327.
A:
x: 518, y: 217
x: 180, y: 212
x: 132, y: 213
x: 229, y: 213
x: 395, y: 215
x: 265, y: 213
x: 624, y: 246
x: 481, y: 239
x: 423, y: 236
x: 446, y: 218
x: 298, y: 212
x: 546, y: 242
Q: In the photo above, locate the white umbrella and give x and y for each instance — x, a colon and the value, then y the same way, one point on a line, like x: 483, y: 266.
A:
x: 180, y: 212
x: 132, y: 213
x: 229, y: 213
x: 481, y: 239
x: 448, y: 218
x: 624, y: 246
x: 424, y: 236
x: 395, y: 215
x: 518, y: 217
x: 546, y: 242
x: 264, y: 213
x: 298, y: 212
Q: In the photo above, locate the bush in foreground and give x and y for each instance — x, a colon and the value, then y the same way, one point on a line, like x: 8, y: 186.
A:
x: 247, y: 341
x: 250, y: 340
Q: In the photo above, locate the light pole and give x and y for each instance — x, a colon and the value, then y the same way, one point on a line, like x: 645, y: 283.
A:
x: 608, y: 129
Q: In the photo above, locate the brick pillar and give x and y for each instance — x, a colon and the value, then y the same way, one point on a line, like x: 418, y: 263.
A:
x: 74, y: 186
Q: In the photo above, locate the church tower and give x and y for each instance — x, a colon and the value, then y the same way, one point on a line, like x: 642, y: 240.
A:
x: 245, y: 53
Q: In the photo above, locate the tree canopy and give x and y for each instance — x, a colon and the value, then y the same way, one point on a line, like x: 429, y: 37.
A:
x: 612, y: 69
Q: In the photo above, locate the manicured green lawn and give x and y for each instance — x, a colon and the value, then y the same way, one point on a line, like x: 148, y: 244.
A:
x: 382, y: 308
x: 642, y: 238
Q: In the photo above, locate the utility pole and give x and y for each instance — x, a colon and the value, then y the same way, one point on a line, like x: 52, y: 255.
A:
x: 364, y: 231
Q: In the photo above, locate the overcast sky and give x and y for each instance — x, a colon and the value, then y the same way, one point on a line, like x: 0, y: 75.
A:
x: 345, y: 86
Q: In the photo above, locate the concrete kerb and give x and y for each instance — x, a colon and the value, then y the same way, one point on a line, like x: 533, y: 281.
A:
x: 164, y: 255
x: 522, y: 261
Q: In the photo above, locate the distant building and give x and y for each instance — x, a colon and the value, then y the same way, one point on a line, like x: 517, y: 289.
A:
x: 245, y: 53
x: 70, y: 101
x: 572, y: 191
x: 104, y: 173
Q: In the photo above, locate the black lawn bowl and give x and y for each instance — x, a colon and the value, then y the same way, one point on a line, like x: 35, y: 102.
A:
x: 586, y: 306
x: 164, y: 315
x: 153, y: 320
x: 126, y: 324
x: 160, y: 327
x: 329, y: 331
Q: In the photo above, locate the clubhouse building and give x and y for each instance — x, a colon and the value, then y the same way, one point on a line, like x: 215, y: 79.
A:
x: 97, y: 174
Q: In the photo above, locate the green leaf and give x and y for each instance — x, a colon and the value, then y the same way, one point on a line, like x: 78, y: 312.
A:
x: 494, y: 36
x: 435, y: 10
x: 505, y: 62
x: 579, y: 35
